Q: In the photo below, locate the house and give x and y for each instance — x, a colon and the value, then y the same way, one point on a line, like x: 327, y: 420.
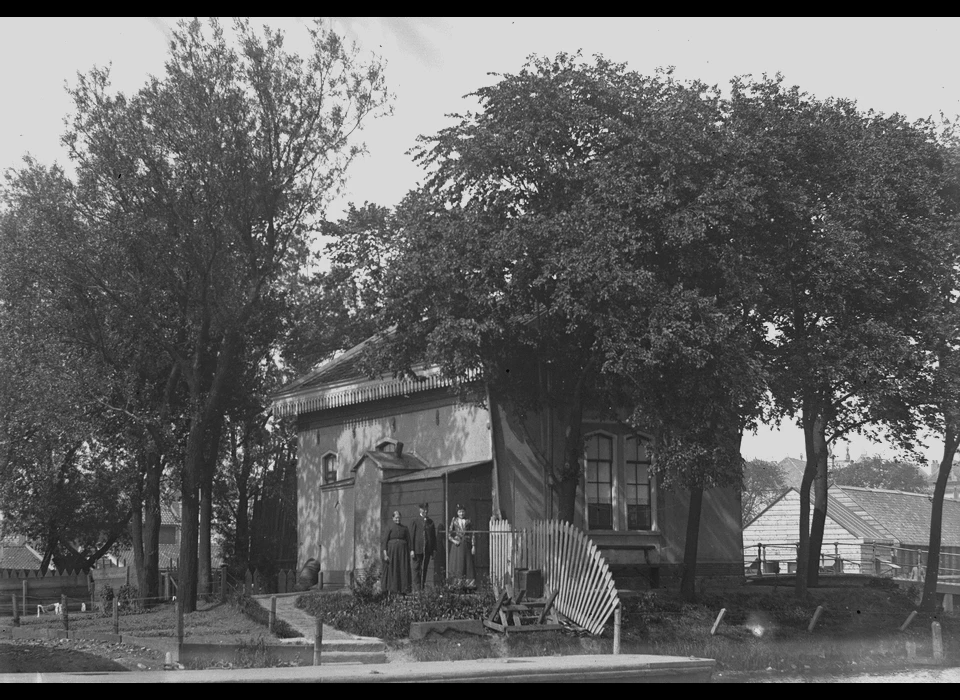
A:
x: 169, y: 542
x: 866, y: 531
x: 368, y: 446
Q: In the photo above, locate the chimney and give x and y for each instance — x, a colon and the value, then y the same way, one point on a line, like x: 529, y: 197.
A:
x: 399, y: 448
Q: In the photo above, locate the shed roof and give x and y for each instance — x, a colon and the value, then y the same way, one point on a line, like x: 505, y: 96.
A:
x: 434, y: 472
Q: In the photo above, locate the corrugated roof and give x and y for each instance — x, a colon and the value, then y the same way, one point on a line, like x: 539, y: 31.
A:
x: 434, y: 472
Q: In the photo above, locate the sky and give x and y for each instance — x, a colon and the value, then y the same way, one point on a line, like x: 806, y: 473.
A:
x: 903, y: 65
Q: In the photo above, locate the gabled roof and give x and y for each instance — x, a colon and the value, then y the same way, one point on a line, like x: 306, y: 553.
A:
x: 792, y: 469
x: 390, y: 460
x: 906, y: 516
x: 341, y: 382
x: 878, y: 515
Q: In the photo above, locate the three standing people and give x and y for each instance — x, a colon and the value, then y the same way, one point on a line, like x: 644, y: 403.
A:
x: 424, y: 541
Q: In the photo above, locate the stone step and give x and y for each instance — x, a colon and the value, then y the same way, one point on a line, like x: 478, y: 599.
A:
x: 352, y: 657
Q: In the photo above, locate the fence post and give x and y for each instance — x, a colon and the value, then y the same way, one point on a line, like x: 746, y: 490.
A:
x: 713, y: 630
x: 178, y: 606
x: 66, y: 616
x: 223, y: 584
x: 16, y: 612
x: 317, y: 642
x: 272, y: 622
x: 759, y: 559
x: 23, y: 591
x: 816, y: 617
x: 909, y: 619
x: 116, y: 615
x: 617, y: 615
x: 937, y: 642
x: 93, y: 589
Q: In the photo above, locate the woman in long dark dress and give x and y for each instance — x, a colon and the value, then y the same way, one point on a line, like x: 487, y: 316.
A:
x: 396, y: 557
x: 462, y: 550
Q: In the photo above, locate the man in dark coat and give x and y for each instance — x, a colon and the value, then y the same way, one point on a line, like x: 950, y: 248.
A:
x: 424, y: 535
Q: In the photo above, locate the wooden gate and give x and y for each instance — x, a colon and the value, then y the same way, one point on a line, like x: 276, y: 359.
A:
x: 571, y: 565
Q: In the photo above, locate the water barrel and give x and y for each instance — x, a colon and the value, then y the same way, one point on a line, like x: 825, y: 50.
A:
x: 309, y: 575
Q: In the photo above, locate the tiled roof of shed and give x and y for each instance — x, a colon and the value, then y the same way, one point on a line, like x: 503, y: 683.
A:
x: 905, y: 516
x: 19, y: 557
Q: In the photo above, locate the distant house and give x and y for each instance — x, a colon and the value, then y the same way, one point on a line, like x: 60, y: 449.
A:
x: 169, y: 542
x: 16, y: 553
x: 368, y: 446
x: 866, y: 531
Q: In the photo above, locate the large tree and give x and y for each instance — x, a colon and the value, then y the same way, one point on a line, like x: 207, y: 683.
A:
x: 840, y: 205
x: 548, y: 244
x: 201, y: 188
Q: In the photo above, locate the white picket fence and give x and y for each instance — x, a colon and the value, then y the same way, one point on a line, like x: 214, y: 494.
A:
x: 570, y: 564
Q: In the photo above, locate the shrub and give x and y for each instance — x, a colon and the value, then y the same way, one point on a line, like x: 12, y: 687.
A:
x: 371, y: 614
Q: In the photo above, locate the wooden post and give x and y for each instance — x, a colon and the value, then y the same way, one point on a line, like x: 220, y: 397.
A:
x: 93, y: 591
x: 116, y: 615
x: 948, y: 602
x: 272, y: 621
x: 178, y: 606
x: 23, y: 591
x: 223, y: 584
x: 317, y: 642
x: 166, y: 586
x: 63, y: 609
x: 937, y: 642
x: 816, y: 618
x: 906, y: 624
x: 16, y: 612
x: 713, y: 630
x: 617, y: 615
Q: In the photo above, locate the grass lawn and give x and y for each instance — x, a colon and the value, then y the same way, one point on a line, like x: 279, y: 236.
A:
x: 210, y: 622
x: 763, y: 628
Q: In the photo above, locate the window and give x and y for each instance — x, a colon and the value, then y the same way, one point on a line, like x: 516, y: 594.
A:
x: 620, y: 493
x: 638, y: 493
x: 599, y: 482
x: 329, y: 463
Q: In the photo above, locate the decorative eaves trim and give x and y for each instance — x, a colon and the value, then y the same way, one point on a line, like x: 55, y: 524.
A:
x: 356, y: 392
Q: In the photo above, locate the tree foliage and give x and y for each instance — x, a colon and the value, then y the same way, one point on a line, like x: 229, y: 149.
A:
x: 876, y: 472
x: 762, y: 482
x: 192, y: 210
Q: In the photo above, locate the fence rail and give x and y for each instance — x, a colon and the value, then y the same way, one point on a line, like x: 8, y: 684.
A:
x: 570, y: 563
x: 873, y: 558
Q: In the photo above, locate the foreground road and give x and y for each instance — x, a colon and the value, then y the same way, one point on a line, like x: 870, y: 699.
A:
x: 626, y: 668
x: 917, y: 675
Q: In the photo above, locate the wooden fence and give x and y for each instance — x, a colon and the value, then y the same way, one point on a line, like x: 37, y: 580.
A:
x: 570, y: 564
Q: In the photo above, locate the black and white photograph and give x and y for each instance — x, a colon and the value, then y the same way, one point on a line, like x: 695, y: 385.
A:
x: 479, y: 349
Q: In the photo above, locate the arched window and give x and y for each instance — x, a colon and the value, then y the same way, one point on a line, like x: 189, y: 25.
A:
x: 329, y: 466
x: 599, y: 460
x: 638, y: 491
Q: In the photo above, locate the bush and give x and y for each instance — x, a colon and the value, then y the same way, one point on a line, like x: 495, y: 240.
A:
x: 371, y: 614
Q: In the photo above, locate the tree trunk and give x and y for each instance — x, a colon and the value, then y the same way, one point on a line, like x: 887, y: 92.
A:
x: 803, y: 550
x: 190, y: 517
x: 819, y: 505
x: 568, y: 478
x: 136, y: 536
x: 951, y: 442
x: 150, y: 584
x: 688, y: 590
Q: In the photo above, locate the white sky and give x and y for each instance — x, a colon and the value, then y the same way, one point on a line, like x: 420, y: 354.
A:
x: 905, y: 65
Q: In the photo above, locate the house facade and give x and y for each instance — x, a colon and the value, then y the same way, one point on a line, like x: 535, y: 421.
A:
x: 371, y: 446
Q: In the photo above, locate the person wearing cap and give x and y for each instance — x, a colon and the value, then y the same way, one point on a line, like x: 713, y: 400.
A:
x: 423, y: 534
